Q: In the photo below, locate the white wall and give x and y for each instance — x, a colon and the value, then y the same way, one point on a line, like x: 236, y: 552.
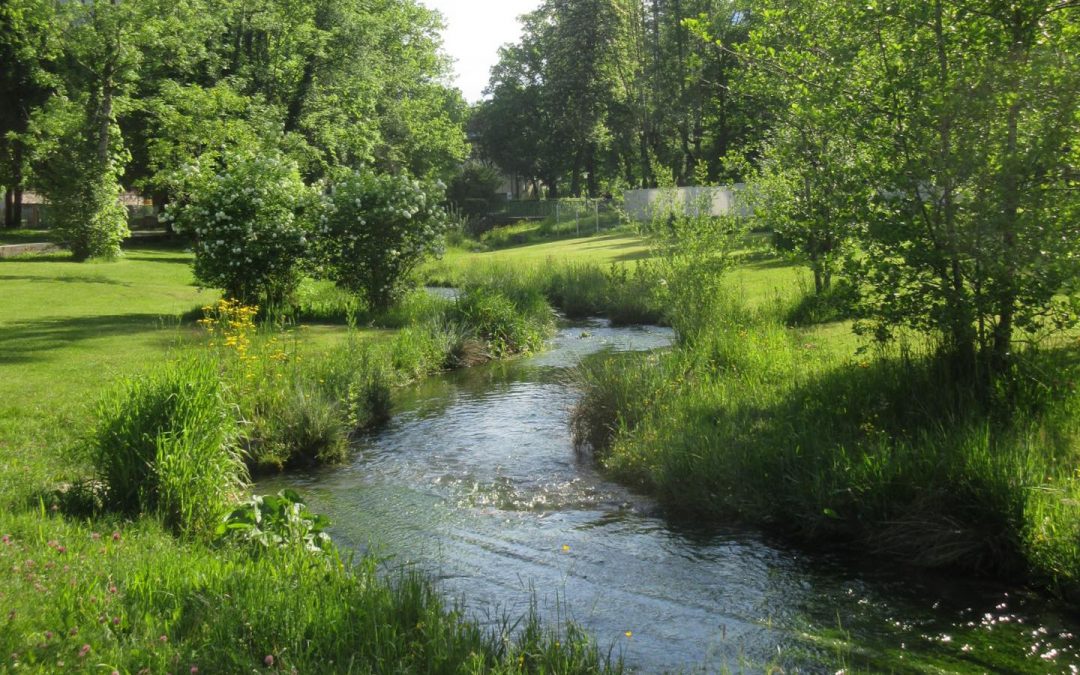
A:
x: 640, y: 204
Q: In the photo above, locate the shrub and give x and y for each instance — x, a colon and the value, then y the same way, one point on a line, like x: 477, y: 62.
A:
x: 277, y: 521
x: 625, y: 294
x: 509, y: 325
x: 164, y: 444
x: 297, y: 426
x: 375, y: 229
x: 250, y: 227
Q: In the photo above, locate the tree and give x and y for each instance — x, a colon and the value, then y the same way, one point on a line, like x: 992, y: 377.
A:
x: 80, y: 154
x: 28, y: 46
x: 963, y: 116
x: 809, y: 183
x: 974, y: 115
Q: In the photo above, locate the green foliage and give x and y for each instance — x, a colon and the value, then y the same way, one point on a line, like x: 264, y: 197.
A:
x: 893, y: 455
x: 942, y: 136
x: 164, y: 445
x: 170, y: 605
x: 82, y: 185
x: 297, y: 426
x: 277, y: 521
x: 472, y: 188
x: 191, y: 126
x: 626, y: 294
x: 808, y: 195
x: 598, y: 95
x: 499, y: 321
x: 836, y: 303
x: 693, y: 251
x: 376, y: 229
x: 249, y: 226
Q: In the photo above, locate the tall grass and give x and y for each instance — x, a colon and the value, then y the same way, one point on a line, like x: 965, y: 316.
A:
x: 164, y: 444
x: 886, y: 454
x: 127, y: 597
x: 296, y: 412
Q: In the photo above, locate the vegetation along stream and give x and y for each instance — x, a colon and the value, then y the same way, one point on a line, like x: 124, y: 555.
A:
x: 476, y: 482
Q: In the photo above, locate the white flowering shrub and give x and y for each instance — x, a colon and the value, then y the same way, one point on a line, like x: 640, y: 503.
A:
x: 249, y: 226
x: 376, y: 228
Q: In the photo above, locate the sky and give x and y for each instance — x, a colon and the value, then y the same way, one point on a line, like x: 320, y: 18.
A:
x: 475, y: 29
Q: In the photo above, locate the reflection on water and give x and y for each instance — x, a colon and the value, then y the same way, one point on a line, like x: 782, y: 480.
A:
x: 475, y: 481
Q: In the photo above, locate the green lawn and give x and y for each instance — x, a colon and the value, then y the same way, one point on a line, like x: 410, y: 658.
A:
x: 24, y: 236
x: 68, y: 330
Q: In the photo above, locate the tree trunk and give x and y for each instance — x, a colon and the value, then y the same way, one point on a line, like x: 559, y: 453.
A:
x: 17, y: 185
x: 9, y: 204
x: 1010, y: 188
x: 105, y: 121
x: 16, y: 207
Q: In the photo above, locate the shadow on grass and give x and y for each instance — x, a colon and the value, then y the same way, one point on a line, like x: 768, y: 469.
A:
x: 764, y: 261
x: 29, y: 341
x: 16, y: 237
x: 61, y: 257
x: 67, y: 279
x: 176, y: 259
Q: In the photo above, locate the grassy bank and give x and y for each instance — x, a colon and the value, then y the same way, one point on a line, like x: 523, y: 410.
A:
x: 754, y: 421
x: 93, y: 580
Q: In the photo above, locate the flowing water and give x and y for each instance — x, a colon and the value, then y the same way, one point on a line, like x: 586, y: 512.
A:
x: 476, y: 482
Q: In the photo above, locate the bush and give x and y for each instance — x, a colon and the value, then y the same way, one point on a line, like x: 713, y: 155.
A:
x: 626, y: 295
x: 164, y: 444
x: 376, y: 229
x: 472, y: 189
x: 250, y: 227
x: 837, y: 303
x: 297, y: 427
x: 504, y: 311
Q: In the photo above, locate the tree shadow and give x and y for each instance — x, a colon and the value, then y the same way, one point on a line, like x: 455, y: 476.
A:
x: 67, y: 279
x: 57, y: 257
x: 176, y: 259
x: 761, y: 262
x: 30, y: 341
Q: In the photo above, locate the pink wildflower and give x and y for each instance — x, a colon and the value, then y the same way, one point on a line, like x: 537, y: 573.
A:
x: 269, y: 660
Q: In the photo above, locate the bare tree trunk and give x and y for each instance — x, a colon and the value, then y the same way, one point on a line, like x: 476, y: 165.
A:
x: 9, y: 203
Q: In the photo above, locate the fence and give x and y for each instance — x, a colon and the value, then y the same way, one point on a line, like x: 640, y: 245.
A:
x: 570, y: 215
x: 640, y: 205
x: 37, y: 216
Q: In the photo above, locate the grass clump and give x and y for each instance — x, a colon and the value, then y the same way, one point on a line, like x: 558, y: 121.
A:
x: 129, y: 597
x: 889, y: 454
x: 165, y: 444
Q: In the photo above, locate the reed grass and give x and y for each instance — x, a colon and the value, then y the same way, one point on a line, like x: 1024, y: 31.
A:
x: 165, y: 445
x: 884, y: 453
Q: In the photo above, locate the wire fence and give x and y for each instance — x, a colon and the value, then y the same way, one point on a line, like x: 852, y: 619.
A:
x: 584, y: 215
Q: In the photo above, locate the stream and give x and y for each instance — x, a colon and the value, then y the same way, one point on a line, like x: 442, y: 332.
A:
x: 475, y: 482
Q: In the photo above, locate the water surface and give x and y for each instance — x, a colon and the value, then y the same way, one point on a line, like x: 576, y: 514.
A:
x: 476, y: 482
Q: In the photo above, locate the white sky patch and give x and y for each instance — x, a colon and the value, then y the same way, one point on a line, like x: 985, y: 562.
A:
x: 475, y: 29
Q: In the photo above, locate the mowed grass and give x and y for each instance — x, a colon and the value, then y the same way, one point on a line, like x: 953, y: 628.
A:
x: 602, y: 250
x: 68, y: 330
